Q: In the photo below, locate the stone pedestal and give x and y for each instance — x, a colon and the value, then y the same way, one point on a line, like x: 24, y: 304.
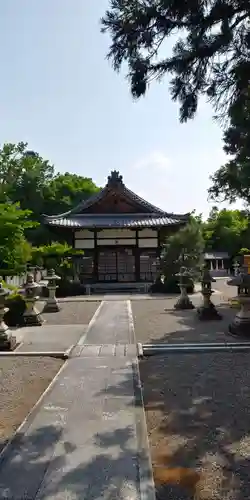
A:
x: 31, y: 315
x: 240, y: 326
x: 7, y: 340
x: 207, y: 311
x: 241, y: 323
x: 234, y: 303
x: 51, y: 303
x: 183, y: 301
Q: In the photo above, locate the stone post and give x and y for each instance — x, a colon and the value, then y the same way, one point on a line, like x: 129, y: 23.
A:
x: 240, y: 326
x: 31, y: 290
x: 207, y: 311
x: 52, y: 304
x: 233, y: 301
x: 7, y: 340
x: 183, y: 301
x: 236, y: 267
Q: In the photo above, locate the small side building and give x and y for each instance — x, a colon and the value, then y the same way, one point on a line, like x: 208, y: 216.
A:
x: 121, y: 233
x: 218, y: 262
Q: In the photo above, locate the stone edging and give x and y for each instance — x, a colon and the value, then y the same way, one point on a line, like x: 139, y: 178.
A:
x: 145, y: 471
x: 22, y: 429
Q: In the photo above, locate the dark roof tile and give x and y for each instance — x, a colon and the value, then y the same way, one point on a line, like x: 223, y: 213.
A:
x: 130, y: 221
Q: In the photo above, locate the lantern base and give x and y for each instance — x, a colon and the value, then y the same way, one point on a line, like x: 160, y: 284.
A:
x: 33, y: 319
x: 51, y: 307
x: 7, y: 342
x: 240, y: 327
x: 183, y: 303
x: 234, y: 303
x: 208, y: 313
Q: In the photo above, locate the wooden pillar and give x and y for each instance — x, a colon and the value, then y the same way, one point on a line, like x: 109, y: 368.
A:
x: 158, y: 243
x: 73, y: 239
x: 137, y: 256
x: 95, y: 260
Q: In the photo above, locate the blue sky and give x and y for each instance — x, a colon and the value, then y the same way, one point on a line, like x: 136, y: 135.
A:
x: 60, y: 95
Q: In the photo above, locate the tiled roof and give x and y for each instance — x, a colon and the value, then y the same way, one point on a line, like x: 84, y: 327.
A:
x: 121, y: 190
x: 216, y: 255
x: 123, y: 220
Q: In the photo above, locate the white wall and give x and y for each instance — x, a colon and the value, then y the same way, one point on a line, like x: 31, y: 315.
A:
x: 116, y: 233
x: 149, y: 242
x: 84, y: 238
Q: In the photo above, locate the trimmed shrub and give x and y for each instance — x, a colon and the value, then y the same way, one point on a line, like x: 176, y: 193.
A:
x: 16, y: 305
x: 68, y: 288
x: 170, y: 286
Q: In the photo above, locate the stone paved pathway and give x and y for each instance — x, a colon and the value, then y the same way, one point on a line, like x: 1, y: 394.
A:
x: 49, y: 337
x: 87, y: 439
x: 113, y: 324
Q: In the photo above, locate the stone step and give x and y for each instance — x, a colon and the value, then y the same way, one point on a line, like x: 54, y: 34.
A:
x: 104, y: 350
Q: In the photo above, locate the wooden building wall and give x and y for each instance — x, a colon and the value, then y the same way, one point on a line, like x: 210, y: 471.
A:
x: 120, y: 254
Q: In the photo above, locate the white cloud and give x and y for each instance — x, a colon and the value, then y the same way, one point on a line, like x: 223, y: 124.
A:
x: 156, y: 159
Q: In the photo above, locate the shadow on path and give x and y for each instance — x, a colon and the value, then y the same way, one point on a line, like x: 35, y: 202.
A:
x: 45, y: 465
x: 197, y: 409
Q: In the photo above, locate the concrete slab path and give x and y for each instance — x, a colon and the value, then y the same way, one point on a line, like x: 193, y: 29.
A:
x: 86, y: 439
x: 113, y: 324
x: 49, y: 337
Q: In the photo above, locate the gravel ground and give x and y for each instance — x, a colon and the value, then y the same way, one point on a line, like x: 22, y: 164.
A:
x: 152, y: 323
x: 22, y: 381
x: 72, y: 313
x: 197, y: 410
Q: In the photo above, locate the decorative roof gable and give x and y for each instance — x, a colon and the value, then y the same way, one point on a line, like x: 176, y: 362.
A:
x: 115, y: 199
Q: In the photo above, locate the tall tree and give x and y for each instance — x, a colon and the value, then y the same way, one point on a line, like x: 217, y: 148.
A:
x: 15, y: 251
x: 26, y: 178
x: 185, y: 247
x: 24, y: 175
x: 65, y: 191
x: 211, y: 57
x: 226, y: 230
x: 232, y: 180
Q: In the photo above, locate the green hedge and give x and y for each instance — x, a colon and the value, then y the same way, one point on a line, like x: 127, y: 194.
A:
x: 16, y: 305
x: 66, y: 289
x: 170, y: 285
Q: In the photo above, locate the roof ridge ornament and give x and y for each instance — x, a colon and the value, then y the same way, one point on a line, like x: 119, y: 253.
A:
x: 115, y: 179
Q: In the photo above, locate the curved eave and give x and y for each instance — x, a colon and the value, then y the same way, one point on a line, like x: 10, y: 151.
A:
x: 111, y: 221
x: 84, y: 205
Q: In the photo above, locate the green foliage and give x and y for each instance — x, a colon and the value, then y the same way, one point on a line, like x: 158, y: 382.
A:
x: 10, y: 287
x: 171, y: 285
x: 232, y: 180
x: 183, y: 248
x: 15, y: 251
x: 209, y: 57
x: 16, y: 307
x: 244, y: 251
x: 57, y: 256
x: 66, y: 191
x: 26, y: 178
x: 23, y: 174
x: 29, y: 188
x: 226, y: 230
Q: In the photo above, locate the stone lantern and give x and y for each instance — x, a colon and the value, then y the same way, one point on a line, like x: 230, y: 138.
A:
x: 31, y: 291
x: 52, y: 304
x: 233, y: 301
x: 236, y: 267
x: 207, y: 311
x: 241, y: 323
x: 183, y: 301
x: 7, y: 341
